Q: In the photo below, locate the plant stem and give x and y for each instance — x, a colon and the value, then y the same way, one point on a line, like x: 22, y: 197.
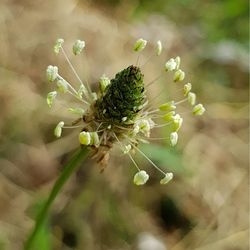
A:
x: 68, y: 170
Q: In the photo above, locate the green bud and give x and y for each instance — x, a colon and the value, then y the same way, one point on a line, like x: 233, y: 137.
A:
x: 51, y: 73
x: 76, y: 111
x: 169, y: 116
x: 103, y: 83
x: 170, y: 65
x: 78, y: 47
x: 198, y: 109
x: 179, y: 75
x: 168, y: 177
x: 173, y: 139
x: 140, y: 45
x: 159, y: 48
x: 187, y: 88
x: 51, y: 97
x: 58, y: 129
x: 191, y: 98
x: 141, y: 178
x: 58, y: 45
x: 167, y: 106
x: 62, y: 86
x: 85, y: 138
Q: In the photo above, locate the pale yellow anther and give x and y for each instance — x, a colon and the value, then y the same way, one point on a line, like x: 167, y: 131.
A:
x: 58, y: 129
x: 178, y: 62
x: 52, y: 73
x: 141, y: 178
x: 103, y: 83
x: 187, y: 88
x: 168, y: 106
x: 169, y: 116
x: 192, y: 98
x: 94, y: 138
x: 173, y: 139
x: 179, y: 75
x: 168, y: 177
x: 177, y: 122
x: 62, y: 86
x: 84, y: 138
x: 51, y: 97
x: 78, y: 47
x: 76, y: 111
x: 170, y: 65
x: 140, y: 45
x: 198, y: 109
x: 127, y: 148
x: 158, y: 48
x: 58, y: 45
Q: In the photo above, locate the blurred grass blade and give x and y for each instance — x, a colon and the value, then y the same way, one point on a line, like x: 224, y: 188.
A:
x: 68, y: 170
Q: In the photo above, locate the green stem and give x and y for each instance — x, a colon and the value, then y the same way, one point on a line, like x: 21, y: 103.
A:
x: 68, y: 170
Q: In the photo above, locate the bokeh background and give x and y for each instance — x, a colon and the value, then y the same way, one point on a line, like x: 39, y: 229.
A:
x: 205, y: 206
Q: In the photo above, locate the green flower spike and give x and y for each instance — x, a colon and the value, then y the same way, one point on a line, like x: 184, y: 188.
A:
x: 124, y: 97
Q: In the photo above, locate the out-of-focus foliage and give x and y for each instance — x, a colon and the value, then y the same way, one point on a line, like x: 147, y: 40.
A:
x: 216, y: 20
x: 206, y: 204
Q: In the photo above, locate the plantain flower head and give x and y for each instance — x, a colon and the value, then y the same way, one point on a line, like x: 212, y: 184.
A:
x: 119, y: 114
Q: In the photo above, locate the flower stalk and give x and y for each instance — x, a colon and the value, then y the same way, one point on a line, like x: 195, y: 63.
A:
x: 68, y: 170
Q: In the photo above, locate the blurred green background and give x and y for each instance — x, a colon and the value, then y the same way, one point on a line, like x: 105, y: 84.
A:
x: 205, y: 206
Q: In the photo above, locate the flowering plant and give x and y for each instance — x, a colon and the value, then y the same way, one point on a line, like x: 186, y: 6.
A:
x: 118, y: 114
